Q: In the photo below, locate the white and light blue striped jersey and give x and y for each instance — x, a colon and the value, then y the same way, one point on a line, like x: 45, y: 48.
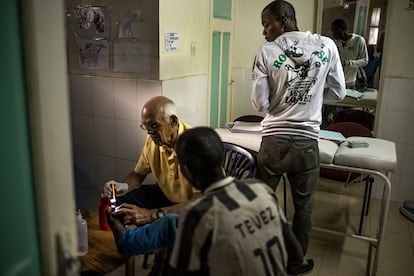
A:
x: 235, y: 228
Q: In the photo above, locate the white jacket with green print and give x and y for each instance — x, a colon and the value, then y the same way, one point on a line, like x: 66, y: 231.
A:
x: 292, y: 75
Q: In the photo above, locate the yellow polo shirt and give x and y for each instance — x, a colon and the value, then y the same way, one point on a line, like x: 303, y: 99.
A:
x: 165, y: 169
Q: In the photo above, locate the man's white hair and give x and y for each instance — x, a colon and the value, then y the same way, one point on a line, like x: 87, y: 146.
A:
x: 169, y: 110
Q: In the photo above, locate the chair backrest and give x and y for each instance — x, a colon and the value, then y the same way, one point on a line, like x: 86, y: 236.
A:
x: 356, y: 116
x: 238, y: 162
x: 349, y: 129
x: 249, y: 118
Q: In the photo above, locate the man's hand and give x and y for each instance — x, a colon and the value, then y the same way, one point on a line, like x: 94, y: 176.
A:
x: 121, y: 188
x: 133, y: 214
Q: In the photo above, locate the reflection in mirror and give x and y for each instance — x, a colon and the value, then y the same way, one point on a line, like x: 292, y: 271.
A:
x: 366, y: 18
x: 372, y: 28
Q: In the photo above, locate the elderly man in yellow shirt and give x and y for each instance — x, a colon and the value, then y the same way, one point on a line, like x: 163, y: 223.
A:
x: 152, y: 207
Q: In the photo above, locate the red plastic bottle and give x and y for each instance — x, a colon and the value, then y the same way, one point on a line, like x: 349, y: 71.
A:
x: 103, y: 205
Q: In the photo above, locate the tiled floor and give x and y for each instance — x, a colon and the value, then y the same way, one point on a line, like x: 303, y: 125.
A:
x: 345, y: 256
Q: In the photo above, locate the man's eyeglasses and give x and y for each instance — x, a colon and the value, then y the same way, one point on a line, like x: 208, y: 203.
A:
x: 151, y: 126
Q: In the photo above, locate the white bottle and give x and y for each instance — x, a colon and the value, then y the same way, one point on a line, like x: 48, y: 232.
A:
x: 82, y: 234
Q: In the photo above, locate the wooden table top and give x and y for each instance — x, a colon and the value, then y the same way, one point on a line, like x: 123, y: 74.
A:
x: 103, y: 255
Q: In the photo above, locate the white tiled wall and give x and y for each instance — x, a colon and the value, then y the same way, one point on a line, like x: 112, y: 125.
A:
x: 105, y: 115
x: 396, y: 123
x: 191, y: 97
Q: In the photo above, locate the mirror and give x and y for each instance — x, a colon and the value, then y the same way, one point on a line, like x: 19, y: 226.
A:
x: 364, y: 17
x: 367, y: 18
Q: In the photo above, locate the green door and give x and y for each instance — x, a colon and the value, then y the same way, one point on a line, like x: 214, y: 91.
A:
x: 19, y: 229
x: 219, y: 78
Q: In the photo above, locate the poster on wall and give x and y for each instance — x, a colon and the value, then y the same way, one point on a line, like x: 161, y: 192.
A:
x: 93, y: 54
x: 171, y: 41
x: 132, y: 57
x: 92, y: 21
x: 129, y: 24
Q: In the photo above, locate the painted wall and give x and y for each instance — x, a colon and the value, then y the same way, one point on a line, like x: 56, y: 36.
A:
x: 247, y: 40
x: 191, y: 20
x: 248, y: 27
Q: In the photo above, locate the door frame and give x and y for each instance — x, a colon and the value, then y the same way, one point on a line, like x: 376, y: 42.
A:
x: 222, y: 26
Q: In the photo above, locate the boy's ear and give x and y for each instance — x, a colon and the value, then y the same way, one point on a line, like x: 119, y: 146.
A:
x: 186, y: 172
x: 283, y: 19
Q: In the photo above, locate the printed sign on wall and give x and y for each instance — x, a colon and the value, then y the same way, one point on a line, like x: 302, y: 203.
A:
x: 171, y: 41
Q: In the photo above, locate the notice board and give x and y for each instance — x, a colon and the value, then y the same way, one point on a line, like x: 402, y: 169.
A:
x: 113, y: 38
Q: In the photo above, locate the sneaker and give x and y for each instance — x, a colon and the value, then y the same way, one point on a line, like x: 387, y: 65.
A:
x: 302, y: 269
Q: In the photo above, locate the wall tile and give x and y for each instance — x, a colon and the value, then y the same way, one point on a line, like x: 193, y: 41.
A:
x: 169, y: 88
x: 393, y: 126
x: 123, y: 168
x: 81, y: 94
x: 385, y: 94
x: 400, y: 147
x: 103, y: 96
x: 125, y: 98
x: 190, y: 97
x: 145, y: 91
x: 84, y: 162
x: 406, y: 191
x: 149, y: 179
x: 141, y: 138
x: 83, y: 132
x: 126, y: 139
x: 406, y: 161
x: 410, y: 129
x: 200, y: 85
x: 104, y: 136
x: 181, y: 96
x: 202, y: 99
x: 104, y: 171
x: 401, y: 95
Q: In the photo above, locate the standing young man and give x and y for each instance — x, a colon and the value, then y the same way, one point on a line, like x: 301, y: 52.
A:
x: 352, y: 50
x: 289, y: 75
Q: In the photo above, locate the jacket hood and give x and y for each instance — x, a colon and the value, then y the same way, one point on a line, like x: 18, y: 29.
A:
x: 294, y: 48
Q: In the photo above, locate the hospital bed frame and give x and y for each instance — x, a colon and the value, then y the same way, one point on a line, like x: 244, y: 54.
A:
x: 381, y: 163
